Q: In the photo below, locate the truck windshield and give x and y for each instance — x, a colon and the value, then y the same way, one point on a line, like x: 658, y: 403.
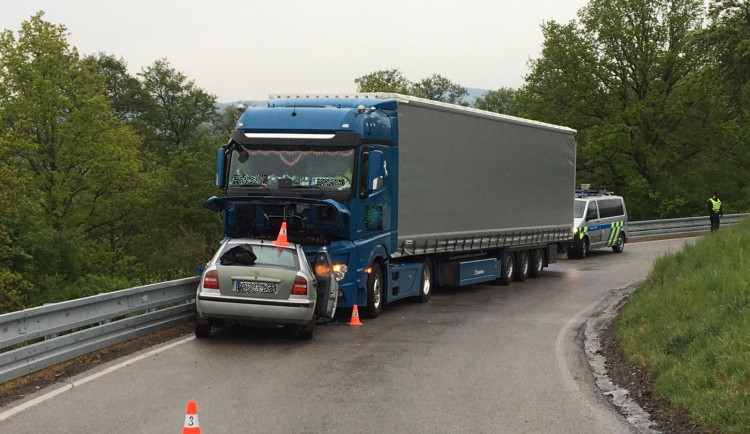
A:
x: 320, y: 169
x: 579, y: 208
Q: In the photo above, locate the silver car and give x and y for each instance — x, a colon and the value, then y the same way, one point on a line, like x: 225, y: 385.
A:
x: 260, y: 282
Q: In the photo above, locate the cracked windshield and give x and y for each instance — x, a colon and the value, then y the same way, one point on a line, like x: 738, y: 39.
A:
x: 327, y: 170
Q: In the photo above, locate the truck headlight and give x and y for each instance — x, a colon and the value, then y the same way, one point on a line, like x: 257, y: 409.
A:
x: 339, y: 271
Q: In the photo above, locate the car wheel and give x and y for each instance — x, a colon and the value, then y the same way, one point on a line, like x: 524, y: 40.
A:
x: 305, y: 332
x: 375, y: 292
x: 620, y: 245
x: 537, y: 263
x: 202, y: 328
x: 508, y: 268
x: 426, y: 282
x: 522, y: 266
x: 582, y: 248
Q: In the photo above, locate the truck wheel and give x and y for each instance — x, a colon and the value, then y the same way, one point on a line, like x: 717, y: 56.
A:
x: 620, y: 245
x: 375, y: 292
x: 522, y: 266
x: 426, y: 283
x: 582, y: 248
x: 507, y: 270
x: 537, y: 263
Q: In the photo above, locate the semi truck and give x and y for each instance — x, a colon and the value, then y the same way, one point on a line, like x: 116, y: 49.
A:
x: 406, y: 194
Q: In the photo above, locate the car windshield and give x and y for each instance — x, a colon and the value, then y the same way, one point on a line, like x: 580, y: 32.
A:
x: 320, y: 169
x: 270, y: 255
x: 579, y: 208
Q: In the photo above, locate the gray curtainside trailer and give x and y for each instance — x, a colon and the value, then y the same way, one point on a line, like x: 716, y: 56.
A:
x: 406, y: 194
x: 471, y: 178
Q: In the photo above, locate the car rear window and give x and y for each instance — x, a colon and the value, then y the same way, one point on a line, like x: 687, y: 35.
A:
x: 269, y: 255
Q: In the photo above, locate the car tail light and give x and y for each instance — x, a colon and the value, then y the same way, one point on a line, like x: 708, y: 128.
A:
x: 211, y: 281
x: 300, y: 286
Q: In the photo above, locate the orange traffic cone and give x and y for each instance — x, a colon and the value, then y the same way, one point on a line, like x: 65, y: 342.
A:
x: 281, y: 239
x: 191, y: 419
x: 355, y: 317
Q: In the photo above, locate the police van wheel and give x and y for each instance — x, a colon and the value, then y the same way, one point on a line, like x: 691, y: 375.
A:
x: 582, y: 249
x: 508, y: 268
x: 537, y: 263
x: 522, y: 266
x: 620, y: 245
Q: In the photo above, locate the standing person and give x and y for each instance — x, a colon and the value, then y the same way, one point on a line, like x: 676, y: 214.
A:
x: 714, y: 211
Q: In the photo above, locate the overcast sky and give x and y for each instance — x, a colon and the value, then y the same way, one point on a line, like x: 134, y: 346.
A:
x: 245, y: 50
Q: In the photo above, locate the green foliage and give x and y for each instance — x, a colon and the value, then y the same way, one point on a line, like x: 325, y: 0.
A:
x: 436, y: 87
x: 387, y: 80
x: 179, y: 109
x: 689, y: 324
x: 439, y: 88
x: 89, y: 208
x: 502, y: 101
x: 628, y: 76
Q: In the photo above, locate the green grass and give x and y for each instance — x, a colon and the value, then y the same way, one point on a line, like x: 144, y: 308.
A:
x: 689, y: 325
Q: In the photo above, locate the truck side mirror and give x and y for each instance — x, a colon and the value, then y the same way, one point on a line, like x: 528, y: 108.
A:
x: 375, y: 170
x: 221, y: 162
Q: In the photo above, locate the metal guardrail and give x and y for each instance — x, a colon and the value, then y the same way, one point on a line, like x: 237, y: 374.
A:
x: 40, y: 337
x: 677, y: 227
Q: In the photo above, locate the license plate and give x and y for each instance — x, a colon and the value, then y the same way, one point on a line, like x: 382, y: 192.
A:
x: 254, y: 287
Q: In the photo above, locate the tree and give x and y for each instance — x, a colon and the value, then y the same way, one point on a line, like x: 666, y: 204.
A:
x: 386, y: 80
x: 73, y: 165
x: 180, y: 109
x: 125, y: 93
x: 626, y: 76
x: 502, y: 101
x: 439, y: 88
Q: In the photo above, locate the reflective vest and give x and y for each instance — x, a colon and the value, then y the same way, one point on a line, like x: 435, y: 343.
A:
x: 716, y: 204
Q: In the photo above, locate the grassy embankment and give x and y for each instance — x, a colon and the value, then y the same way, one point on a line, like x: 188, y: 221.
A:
x: 689, y: 325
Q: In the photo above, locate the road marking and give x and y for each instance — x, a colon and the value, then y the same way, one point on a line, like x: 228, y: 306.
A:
x: 47, y: 396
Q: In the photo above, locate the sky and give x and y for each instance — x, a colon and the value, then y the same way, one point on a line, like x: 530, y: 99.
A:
x: 246, y: 50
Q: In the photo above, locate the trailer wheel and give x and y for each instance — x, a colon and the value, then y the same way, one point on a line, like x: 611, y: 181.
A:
x: 620, y: 245
x: 426, y: 282
x: 537, y: 263
x: 522, y: 266
x: 375, y: 292
x: 508, y: 268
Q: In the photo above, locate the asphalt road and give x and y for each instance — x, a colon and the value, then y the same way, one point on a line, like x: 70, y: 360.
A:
x: 480, y: 359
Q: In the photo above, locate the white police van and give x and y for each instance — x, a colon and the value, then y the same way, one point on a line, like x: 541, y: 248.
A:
x: 600, y: 220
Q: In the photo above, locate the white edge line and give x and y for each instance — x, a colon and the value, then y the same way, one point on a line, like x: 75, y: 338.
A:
x: 68, y: 386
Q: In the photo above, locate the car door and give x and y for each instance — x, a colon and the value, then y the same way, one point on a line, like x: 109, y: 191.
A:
x: 594, y: 229
x: 327, y: 288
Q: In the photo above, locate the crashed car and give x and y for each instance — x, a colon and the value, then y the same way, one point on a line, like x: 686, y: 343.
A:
x: 266, y: 283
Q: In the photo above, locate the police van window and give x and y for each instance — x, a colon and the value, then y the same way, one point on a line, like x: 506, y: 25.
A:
x: 611, y: 208
x: 591, y: 213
